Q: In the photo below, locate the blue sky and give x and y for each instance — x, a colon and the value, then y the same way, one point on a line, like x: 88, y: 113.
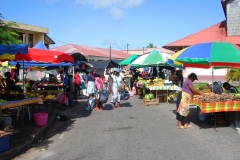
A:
x: 101, y: 23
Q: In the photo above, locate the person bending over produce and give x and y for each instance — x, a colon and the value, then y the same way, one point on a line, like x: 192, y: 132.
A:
x: 184, y: 99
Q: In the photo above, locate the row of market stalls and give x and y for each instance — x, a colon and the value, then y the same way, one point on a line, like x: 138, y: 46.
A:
x: 20, y: 60
x: 212, y: 55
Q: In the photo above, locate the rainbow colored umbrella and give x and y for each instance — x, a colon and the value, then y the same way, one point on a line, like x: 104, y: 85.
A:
x: 211, y: 54
x: 172, y: 60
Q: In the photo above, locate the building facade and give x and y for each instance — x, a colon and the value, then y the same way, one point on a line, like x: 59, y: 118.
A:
x: 227, y: 30
x: 31, y: 35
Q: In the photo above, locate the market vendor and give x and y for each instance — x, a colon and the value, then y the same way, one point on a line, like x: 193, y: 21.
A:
x: 230, y: 88
x: 9, y: 84
x: 183, y: 101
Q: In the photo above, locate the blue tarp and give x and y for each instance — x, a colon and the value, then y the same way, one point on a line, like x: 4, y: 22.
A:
x: 32, y: 63
x: 40, y: 45
x: 14, y: 49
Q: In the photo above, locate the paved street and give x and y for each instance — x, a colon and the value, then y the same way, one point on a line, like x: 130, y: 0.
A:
x: 131, y: 133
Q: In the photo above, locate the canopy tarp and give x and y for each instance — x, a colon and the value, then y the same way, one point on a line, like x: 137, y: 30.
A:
x: 102, y: 65
x: 40, y: 45
x: 41, y: 64
x: 13, y: 49
x: 45, y: 56
x: 128, y: 60
x: 8, y: 52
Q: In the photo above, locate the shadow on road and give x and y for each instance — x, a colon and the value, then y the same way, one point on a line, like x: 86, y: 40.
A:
x: 193, y: 115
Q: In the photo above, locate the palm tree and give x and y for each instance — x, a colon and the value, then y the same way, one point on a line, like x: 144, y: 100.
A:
x: 7, y: 34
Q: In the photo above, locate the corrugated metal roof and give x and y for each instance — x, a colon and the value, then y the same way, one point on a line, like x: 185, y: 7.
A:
x: 91, y: 51
x: 215, y: 33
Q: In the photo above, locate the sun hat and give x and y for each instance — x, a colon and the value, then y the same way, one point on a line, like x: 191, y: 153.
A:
x: 116, y: 69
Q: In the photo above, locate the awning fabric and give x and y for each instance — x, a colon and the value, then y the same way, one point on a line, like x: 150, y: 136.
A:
x: 45, y: 56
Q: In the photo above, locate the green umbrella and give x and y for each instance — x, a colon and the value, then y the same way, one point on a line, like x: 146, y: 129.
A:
x: 128, y: 60
x: 153, y: 58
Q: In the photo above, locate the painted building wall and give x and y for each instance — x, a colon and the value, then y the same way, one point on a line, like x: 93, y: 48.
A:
x: 233, y: 17
x: 205, y: 75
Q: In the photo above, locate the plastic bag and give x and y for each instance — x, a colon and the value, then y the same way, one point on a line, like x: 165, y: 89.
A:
x: 103, y: 96
x: 91, y: 103
x: 61, y: 98
x: 124, y: 95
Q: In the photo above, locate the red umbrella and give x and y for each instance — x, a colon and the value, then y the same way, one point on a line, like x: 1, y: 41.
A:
x: 45, y: 56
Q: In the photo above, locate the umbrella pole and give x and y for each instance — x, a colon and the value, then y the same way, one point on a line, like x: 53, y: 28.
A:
x: 212, y: 77
x: 23, y: 79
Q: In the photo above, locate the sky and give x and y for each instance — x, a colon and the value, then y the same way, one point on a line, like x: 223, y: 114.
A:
x: 115, y: 23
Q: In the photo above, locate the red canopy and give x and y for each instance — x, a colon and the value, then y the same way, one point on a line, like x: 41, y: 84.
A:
x: 45, y: 56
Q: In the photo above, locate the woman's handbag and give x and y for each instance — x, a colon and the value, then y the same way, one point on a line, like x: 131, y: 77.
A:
x: 184, y: 111
x: 119, y: 88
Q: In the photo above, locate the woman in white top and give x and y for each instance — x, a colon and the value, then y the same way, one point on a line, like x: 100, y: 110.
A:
x: 115, y: 84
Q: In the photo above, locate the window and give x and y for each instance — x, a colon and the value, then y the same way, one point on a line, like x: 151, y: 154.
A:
x: 30, y: 40
x: 21, y: 37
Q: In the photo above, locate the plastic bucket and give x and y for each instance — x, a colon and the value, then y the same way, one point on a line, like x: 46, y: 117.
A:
x: 139, y: 91
x: 40, y: 119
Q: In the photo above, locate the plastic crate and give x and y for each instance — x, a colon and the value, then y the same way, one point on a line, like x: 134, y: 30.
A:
x: 4, y: 143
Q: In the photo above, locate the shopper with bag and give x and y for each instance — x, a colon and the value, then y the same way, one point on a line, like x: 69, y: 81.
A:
x: 116, y: 85
x: 183, y: 101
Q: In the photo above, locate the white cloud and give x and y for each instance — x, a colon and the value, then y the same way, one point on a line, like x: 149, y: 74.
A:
x: 117, y: 13
x: 111, y: 3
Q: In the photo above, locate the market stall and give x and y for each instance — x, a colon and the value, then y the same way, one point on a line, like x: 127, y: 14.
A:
x: 211, y: 55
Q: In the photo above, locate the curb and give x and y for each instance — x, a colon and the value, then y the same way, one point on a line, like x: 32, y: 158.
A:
x: 13, y: 152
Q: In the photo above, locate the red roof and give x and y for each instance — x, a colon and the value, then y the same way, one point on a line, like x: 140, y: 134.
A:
x: 91, y: 51
x: 215, y: 33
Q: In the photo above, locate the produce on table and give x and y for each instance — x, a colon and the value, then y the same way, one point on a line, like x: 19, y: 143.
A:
x: 212, y: 97
x: 152, y: 82
x: 50, y: 96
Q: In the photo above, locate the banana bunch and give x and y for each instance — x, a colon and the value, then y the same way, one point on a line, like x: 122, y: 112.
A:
x: 50, y: 96
x: 41, y: 96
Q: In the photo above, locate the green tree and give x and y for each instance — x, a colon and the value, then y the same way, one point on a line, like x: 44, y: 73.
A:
x: 151, y: 46
x: 233, y: 75
x: 7, y: 33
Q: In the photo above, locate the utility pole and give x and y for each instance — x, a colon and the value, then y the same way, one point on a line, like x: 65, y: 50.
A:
x: 127, y: 48
x: 110, y: 53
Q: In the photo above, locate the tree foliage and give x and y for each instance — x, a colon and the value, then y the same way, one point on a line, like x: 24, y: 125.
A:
x: 233, y: 74
x: 7, y: 33
x: 151, y: 46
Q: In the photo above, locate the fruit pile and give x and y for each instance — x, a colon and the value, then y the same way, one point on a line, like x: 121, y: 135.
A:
x: 149, y: 96
x: 212, y: 97
x: 153, y: 82
x: 50, y: 97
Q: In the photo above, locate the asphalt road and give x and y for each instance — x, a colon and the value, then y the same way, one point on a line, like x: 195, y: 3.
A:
x: 133, y: 132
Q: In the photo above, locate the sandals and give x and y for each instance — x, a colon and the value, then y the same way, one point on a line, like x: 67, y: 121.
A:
x: 188, y: 126
x: 180, y: 127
